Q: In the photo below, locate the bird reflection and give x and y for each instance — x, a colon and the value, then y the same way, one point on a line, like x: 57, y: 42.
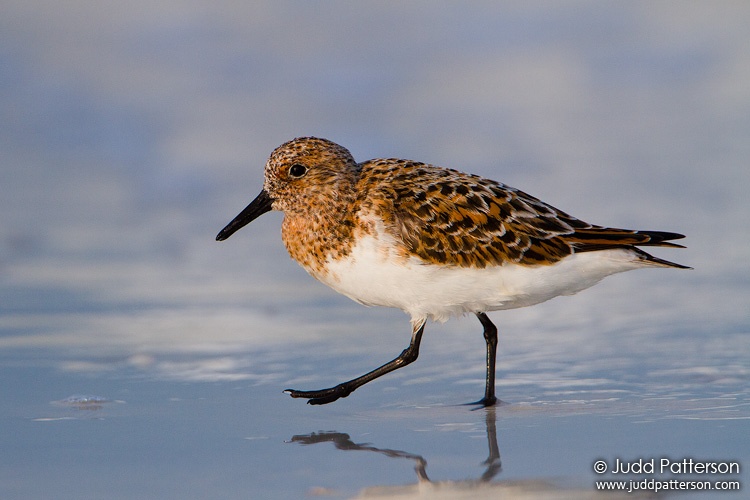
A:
x: 481, y: 488
x: 493, y: 460
x: 343, y: 441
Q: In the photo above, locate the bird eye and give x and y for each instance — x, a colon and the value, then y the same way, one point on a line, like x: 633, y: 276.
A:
x: 297, y: 170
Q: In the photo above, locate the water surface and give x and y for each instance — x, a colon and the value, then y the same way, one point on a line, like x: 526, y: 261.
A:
x: 139, y: 358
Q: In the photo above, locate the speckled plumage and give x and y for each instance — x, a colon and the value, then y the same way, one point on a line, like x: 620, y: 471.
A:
x: 441, y: 215
x: 433, y: 241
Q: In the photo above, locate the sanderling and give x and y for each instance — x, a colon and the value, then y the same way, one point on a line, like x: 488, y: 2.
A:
x: 432, y: 241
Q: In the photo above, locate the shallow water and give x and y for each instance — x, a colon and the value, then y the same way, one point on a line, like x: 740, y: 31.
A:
x: 133, y: 429
x: 139, y: 358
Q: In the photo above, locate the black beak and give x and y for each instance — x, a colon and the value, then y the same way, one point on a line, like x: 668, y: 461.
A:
x: 260, y: 205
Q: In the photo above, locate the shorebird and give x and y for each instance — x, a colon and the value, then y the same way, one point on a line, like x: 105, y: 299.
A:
x: 431, y: 241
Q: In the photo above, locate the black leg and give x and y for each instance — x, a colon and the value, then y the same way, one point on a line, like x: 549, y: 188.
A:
x: 490, y: 336
x: 325, y: 396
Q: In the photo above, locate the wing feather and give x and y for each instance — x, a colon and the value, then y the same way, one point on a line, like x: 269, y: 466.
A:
x: 448, y: 217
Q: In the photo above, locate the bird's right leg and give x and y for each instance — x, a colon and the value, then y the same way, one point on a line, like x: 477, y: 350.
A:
x: 325, y: 396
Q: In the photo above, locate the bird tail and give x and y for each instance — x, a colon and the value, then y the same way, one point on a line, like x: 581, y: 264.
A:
x: 601, y: 238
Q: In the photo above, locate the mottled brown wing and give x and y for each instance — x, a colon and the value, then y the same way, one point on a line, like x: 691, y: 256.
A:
x: 448, y: 217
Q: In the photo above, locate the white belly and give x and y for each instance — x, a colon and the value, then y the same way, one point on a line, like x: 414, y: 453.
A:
x: 372, y: 275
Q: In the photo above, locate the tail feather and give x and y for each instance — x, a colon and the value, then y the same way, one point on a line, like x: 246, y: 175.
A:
x: 603, y: 238
x: 661, y: 238
x: 657, y: 261
x: 611, y: 236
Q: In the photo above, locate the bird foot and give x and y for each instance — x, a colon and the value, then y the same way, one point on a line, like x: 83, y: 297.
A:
x: 485, y: 402
x: 322, y: 396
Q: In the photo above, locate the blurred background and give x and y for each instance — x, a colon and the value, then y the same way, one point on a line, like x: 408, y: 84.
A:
x: 132, y: 132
